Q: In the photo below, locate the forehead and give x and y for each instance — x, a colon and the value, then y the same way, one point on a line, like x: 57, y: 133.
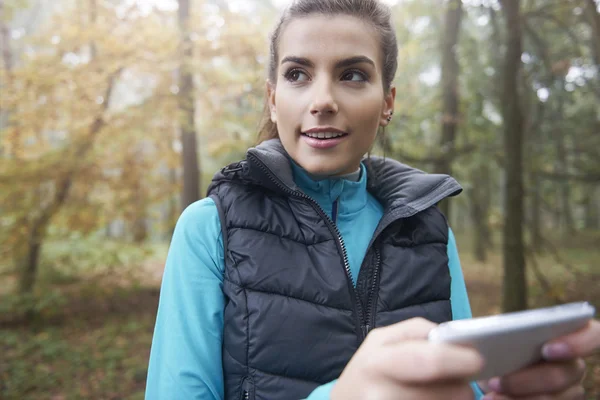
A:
x: 324, y: 39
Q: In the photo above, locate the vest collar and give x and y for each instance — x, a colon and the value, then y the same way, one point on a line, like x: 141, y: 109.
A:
x: 398, y: 187
x: 350, y: 195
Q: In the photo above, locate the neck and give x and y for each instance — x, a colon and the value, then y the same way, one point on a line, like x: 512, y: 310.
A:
x: 353, y: 176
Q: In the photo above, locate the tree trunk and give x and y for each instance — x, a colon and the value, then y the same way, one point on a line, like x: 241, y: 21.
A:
x: 536, y: 218
x: 187, y: 109
x: 515, y: 281
x: 480, y: 204
x: 93, y: 19
x: 592, y: 211
x: 140, y: 225
x: 591, y: 11
x: 173, y: 212
x: 449, y: 81
x: 560, y: 167
x: 7, y: 61
x: 7, y: 58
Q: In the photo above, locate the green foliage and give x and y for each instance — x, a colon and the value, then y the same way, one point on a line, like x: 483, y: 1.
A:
x: 77, y: 361
x: 91, y: 256
x: 43, y: 306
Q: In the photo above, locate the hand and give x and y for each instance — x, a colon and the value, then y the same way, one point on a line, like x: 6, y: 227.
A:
x: 559, y: 377
x: 397, y: 362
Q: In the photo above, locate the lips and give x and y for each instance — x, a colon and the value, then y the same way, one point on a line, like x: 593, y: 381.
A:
x: 324, y: 137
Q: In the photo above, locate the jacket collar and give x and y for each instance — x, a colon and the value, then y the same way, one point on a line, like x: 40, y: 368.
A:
x: 396, y: 186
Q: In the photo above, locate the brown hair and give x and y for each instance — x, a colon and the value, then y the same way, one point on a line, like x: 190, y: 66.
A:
x: 372, y: 11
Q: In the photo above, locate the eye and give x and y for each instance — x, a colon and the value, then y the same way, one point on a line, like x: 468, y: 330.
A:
x: 296, y: 75
x: 355, y: 76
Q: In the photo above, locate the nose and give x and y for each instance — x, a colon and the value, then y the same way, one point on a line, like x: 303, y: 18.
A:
x: 323, y: 101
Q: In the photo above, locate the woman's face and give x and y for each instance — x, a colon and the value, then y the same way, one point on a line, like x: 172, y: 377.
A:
x: 328, y: 101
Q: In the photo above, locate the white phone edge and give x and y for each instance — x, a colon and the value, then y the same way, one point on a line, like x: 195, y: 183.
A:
x: 509, y: 342
x: 453, y: 331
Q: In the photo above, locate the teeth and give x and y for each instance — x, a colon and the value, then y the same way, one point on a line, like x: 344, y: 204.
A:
x: 324, y: 135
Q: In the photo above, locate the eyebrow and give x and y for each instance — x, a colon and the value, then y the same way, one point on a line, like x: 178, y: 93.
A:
x: 346, y: 62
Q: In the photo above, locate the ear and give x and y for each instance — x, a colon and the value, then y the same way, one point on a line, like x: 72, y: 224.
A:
x: 388, y: 106
x: 271, y: 101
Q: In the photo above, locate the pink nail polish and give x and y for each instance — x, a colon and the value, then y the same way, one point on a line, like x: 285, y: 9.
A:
x: 494, y: 385
x: 556, y: 351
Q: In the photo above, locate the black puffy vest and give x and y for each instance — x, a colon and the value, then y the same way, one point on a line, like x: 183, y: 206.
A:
x: 293, y: 318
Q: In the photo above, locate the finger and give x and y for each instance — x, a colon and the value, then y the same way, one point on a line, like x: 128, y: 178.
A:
x: 443, y: 391
x: 417, y: 362
x: 540, y: 379
x: 414, y: 328
x: 578, y: 344
x: 573, y: 393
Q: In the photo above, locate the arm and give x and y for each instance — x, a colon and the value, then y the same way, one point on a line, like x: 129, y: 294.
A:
x: 185, y: 359
x: 461, y: 308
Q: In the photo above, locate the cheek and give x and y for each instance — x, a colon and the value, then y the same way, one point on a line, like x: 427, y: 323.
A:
x: 366, y: 115
x: 288, y: 112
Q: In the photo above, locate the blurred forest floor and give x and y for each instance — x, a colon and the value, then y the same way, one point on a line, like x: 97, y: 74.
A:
x: 92, y: 338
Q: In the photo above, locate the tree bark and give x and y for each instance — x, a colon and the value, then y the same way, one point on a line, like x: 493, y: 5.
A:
x: 187, y: 109
x: 93, y: 19
x: 565, y: 216
x: 592, y: 210
x: 515, y: 281
x: 480, y: 204
x: 536, y: 217
x: 593, y: 17
x: 450, y: 98
x: 7, y: 58
x: 7, y: 61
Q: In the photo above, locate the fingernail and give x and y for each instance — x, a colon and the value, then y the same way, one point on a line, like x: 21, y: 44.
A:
x: 494, y: 385
x: 556, y: 351
x: 489, y: 396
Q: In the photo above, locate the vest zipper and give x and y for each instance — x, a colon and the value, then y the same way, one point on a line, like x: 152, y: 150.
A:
x: 245, y: 389
x: 371, y: 301
x: 334, y: 211
x: 332, y: 227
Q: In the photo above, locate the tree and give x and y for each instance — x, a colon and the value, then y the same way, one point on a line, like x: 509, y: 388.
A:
x: 64, y: 140
x: 515, y: 280
x: 187, y: 110
x: 450, y: 97
x: 593, y: 16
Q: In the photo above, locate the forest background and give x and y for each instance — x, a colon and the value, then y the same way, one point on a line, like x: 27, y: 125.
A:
x: 115, y: 114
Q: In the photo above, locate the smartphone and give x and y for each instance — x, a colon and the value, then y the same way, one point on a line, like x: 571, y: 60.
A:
x: 509, y: 342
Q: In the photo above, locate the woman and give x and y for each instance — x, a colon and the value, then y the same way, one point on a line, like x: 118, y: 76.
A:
x: 301, y: 264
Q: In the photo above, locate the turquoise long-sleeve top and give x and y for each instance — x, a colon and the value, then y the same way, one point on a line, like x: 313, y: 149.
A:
x: 185, y: 359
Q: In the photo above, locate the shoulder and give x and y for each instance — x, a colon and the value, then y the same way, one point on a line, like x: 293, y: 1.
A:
x: 199, y: 218
x: 198, y: 210
x: 198, y: 235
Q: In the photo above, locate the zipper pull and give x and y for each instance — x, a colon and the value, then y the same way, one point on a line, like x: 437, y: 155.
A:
x: 365, y: 330
x: 246, y: 389
x: 334, y: 211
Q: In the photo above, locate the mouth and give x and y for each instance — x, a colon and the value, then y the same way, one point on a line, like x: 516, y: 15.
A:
x: 324, y: 135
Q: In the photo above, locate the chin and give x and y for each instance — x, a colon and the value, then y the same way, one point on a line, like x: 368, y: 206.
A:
x: 323, y: 168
